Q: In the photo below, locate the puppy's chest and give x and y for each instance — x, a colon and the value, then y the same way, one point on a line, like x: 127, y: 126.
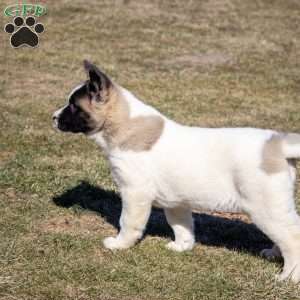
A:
x: 131, y: 169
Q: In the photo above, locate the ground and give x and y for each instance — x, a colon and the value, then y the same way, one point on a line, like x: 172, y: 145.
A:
x: 207, y: 63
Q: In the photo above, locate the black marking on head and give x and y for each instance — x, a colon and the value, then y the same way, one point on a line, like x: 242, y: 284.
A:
x: 79, y: 93
x: 78, y: 115
x: 73, y: 118
x: 98, y: 83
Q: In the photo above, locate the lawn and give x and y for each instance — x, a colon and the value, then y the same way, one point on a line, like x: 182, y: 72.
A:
x: 207, y: 63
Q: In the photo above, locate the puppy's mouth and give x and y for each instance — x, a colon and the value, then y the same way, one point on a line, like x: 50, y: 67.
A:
x: 55, y: 124
x: 60, y: 127
x: 79, y: 125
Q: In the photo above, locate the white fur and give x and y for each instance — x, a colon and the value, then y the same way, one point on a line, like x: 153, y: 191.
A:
x: 136, y: 107
x: 192, y: 168
x: 291, y: 150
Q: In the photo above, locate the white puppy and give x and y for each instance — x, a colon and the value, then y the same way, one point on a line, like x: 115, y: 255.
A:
x: 156, y: 161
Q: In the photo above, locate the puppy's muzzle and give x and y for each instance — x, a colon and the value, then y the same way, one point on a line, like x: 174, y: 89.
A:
x: 55, y: 118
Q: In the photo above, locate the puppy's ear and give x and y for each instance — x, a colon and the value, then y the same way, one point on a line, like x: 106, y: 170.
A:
x: 98, y: 84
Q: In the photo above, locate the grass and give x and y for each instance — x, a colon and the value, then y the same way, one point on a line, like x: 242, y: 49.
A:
x: 208, y: 63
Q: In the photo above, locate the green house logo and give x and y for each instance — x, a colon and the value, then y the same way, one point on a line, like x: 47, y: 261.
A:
x: 24, y: 28
x: 23, y: 10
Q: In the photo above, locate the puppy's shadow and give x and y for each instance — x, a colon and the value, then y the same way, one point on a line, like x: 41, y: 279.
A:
x: 210, y: 230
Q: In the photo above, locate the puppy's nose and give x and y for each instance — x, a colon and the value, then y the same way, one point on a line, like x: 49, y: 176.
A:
x: 55, y: 115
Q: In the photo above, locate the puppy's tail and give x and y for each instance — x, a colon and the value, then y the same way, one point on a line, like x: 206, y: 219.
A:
x: 291, y: 145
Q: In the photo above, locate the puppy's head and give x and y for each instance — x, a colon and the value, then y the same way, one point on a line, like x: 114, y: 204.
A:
x: 87, y: 104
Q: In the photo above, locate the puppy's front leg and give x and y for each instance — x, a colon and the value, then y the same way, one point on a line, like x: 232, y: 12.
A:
x: 136, y: 209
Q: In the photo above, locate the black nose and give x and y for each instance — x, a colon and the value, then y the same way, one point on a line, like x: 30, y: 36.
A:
x: 54, y: 118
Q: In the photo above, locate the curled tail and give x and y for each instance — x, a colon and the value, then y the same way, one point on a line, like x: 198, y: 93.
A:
x: 291, y: 145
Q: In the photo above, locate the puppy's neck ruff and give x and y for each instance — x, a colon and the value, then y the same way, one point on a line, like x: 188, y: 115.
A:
x: 129, y: 124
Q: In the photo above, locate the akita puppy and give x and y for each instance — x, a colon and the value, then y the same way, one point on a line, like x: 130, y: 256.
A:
x: 156, y: 161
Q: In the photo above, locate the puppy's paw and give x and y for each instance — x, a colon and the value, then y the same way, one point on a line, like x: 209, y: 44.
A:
x: 180, y: 247
x: 114, y: 243
x: 292, y: 274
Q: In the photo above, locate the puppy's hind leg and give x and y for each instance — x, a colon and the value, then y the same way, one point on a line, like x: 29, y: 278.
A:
x: 181, y: 221
x: 275, y: 253
x: 273, y: 210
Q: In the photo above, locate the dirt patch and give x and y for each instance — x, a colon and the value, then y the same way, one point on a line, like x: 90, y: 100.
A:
x: 233, y: 216
x: 6, y: 156
x: 10, y: 195
x: 75, y: 292
x: 88, y: 224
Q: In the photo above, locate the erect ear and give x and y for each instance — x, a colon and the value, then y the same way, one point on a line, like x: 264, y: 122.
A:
x: 98, y: 84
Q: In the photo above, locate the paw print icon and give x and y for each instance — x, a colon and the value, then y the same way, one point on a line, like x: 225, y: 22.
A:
x: 24, y: 33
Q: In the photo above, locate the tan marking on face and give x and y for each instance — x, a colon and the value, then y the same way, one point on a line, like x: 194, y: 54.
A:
x: 119, y: 130
x: 86, y: 105
x: 273, y: 160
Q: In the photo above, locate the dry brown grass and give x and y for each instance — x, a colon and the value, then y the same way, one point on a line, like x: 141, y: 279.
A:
x: 84, y: 225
